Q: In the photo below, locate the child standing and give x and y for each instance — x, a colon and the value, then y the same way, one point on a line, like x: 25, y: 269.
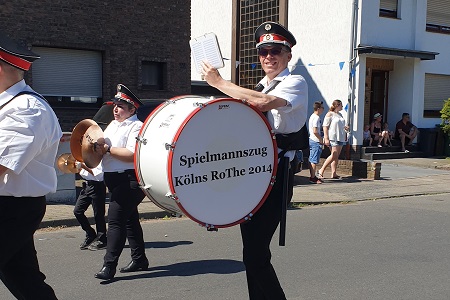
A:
x: 367, y: 137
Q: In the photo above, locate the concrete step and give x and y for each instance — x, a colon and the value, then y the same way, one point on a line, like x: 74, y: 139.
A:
x: 413, y: 148
x: 391, y: 155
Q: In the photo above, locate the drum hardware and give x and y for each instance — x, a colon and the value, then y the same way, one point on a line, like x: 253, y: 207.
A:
x: 169, y: 146
x: 249, y: 217
x: 211, y: 228
x: 173, y: 197
x: 141, y: 140
x: 199, y: 104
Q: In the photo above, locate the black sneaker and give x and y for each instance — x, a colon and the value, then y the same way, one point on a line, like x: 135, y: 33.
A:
x: 87, y: 242
x: 97, y: 245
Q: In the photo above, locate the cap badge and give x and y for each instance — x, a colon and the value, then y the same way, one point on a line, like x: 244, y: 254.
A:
x: 268, y: 37
x: 267, y: 27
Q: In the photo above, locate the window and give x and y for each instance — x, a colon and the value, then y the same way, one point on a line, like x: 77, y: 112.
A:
x: 438, y: 16
x: 250, y: 14
x: 68, y: 77
x: 437, y: 90
x: 153, y: 75
x: 388, y: 8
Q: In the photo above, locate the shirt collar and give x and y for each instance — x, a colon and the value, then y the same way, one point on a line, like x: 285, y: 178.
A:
x: 12, y: 91
x: 279, y: 77
x: 128, y: 121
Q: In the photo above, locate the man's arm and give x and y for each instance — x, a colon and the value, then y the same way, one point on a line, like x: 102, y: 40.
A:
x: 263, y: 102
x: 317, y: 134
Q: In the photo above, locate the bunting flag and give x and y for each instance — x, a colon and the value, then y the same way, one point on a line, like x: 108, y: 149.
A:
x: 340, y: 64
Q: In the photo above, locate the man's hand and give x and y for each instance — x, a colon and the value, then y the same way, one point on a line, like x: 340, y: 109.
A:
x: 210, y: 74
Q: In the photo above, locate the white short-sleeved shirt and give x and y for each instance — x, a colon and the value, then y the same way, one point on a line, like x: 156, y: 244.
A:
x: 290, y: 118
x: 335, y: 124
x: 97, y: 176
x: 123, y: 135
x: 314, y: 121
x: 29, y: 139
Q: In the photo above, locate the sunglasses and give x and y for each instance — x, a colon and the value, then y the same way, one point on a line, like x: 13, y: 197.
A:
x: 273, y: 51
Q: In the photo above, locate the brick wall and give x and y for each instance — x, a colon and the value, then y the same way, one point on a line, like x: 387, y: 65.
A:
x: 126, y: 32
x: 356, y: 168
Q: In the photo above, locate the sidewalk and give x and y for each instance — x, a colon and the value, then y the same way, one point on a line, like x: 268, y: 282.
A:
x: 400, y: 177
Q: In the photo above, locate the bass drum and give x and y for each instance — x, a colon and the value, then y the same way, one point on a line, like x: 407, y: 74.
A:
x: 212, y: 160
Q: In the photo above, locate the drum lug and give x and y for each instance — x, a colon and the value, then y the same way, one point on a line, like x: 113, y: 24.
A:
x: 249, y: 217
x: 169, y: 146
x: 210, y: 227
x: 173, y: 197
x: 198, y: 104
x: 141, y: 140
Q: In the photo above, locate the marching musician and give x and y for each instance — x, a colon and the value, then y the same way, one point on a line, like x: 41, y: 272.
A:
x: 120, y: 178
x: 29, y: 139
x: 284, y: 97
x: 93, y: 193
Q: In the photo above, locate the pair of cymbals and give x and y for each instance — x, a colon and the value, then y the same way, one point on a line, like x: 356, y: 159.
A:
x: 86, y: 142
x: 66, y: 163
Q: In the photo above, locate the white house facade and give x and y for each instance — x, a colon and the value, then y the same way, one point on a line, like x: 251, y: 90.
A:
x: 386, y: 56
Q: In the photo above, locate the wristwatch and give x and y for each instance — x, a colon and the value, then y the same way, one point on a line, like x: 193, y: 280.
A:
x: 109, y: 149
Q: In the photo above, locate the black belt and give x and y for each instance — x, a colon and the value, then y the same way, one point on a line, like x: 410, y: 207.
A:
x: 129, y: 171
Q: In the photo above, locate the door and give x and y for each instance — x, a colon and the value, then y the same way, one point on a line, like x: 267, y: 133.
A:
x: 378, y: 93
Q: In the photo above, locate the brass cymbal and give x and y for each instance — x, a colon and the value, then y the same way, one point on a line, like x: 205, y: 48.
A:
x: 77, y: 136
x: 91, y: 144
x: 66, y: 163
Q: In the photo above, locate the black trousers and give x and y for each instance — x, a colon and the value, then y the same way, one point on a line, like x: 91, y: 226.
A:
x: 256, y: 235
x: 123, y: 217
x: 19, y: 268
x: 93, y: 192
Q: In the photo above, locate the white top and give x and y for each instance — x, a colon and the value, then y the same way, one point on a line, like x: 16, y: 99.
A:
x: 29, y: 139
x: 336, y: 124
x: 123, y: 135
x: 98, y: 174
x: 314, y: 122
x: 366, y: 135
x: 290, y: 118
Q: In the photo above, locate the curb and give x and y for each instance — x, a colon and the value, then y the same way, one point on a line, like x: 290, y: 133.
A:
x: 73, y: 222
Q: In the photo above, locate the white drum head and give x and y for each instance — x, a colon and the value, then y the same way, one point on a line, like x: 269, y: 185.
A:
x: 222, y: 165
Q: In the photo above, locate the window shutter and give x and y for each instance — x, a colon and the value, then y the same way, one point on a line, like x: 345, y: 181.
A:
x: 438, y: 12
x: 67, y: 72
x: 390, y: 5
x: 437, y: 90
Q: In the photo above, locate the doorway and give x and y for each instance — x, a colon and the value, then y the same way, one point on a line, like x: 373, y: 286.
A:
x: 379, y: 96
x: 377, y: 87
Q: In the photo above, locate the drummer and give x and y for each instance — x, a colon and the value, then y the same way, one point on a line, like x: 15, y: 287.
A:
x: 118, y: 167
x: 284, y: 97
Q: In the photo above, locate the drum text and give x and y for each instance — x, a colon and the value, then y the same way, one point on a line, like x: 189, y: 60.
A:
x: 189, y: 161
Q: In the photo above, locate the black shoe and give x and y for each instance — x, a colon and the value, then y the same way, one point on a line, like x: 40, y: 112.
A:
x: 87, y: 242
x: 106, y: 273
x: 97, y: 245
x: 135, y: 266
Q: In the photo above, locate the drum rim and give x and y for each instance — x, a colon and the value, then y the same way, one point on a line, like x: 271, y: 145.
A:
x: 274, y: 169
x: 137, y: 169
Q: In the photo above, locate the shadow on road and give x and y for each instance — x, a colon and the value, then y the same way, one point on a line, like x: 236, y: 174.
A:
x: 160, y: 245
x: 189, y: 268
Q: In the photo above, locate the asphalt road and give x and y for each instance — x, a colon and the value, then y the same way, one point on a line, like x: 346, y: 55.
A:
x: 384, y: 249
